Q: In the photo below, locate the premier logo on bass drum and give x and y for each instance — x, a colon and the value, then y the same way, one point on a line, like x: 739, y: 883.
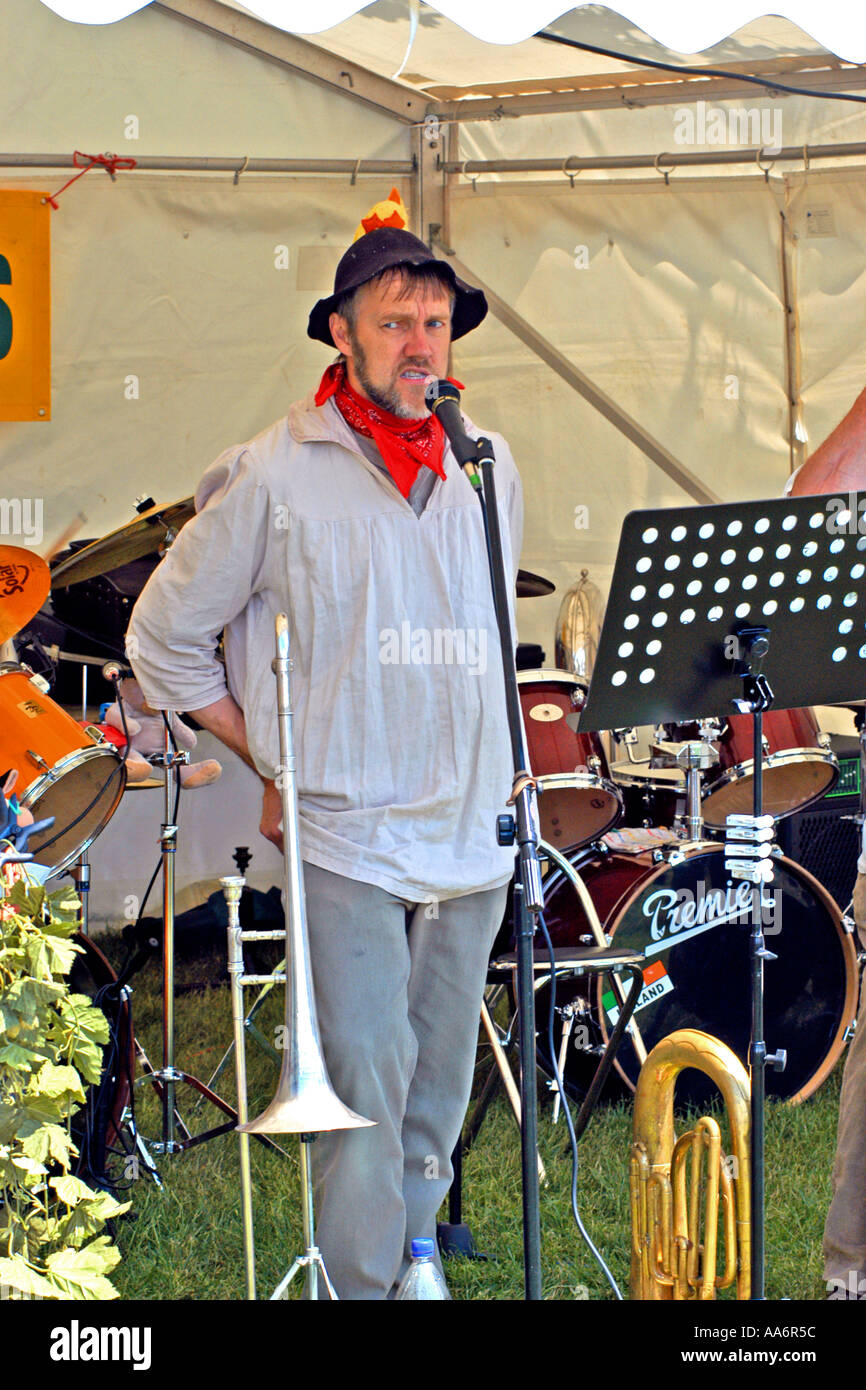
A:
x: 683, y: 913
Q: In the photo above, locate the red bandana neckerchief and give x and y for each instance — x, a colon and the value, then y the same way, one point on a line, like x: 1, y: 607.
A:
x: 404, y: 444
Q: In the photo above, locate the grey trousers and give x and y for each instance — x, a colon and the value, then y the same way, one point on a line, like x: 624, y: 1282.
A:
x: 398, y: 991
x: 845, y: 1230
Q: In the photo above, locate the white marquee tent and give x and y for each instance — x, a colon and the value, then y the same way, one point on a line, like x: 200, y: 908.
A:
x: 645, y: 256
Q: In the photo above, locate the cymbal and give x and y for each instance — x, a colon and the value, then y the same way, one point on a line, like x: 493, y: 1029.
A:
x: 532, y: 585
x: 24, y: 584
x: 143, y: 536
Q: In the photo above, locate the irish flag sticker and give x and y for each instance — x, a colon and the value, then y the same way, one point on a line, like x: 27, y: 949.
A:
x: 656, y: 982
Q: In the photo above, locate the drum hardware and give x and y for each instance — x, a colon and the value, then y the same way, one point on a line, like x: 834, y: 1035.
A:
x: 674, y: 1245
x: 501, y: 1071
x: 599, y: 961
x: 630, y: 737
x: 598, y: 935
x: 115, y: 1124
x: 578, y: 1008
x: 568, y: 1013
x: 692, y: 757
x: 305, y: 1102
x: 76, y: 659
x: 168, y: 1077
x: 588, y: 946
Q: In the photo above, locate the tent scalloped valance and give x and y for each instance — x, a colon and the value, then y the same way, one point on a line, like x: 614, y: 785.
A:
x: 679, y: 24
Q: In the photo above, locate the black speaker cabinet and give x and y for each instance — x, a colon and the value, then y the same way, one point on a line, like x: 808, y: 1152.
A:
x: 825, y: 838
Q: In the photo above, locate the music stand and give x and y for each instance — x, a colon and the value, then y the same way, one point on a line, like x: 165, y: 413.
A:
x: 735, y: 606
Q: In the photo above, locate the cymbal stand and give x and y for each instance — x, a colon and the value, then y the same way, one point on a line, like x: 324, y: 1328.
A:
x: 169, y: 1077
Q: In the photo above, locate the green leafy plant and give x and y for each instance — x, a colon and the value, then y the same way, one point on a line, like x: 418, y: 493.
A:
x: 50, y: 1048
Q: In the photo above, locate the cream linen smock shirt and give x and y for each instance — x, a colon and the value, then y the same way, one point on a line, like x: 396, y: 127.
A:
x: 400, y: 731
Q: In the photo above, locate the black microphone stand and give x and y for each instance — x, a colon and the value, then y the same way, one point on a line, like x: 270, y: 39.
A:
x: 472, y: 455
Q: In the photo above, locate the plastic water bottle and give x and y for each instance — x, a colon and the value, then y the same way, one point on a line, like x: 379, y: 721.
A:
x: 422, y: 1279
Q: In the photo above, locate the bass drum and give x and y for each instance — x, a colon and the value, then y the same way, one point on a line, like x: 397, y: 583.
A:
x: 691, y: 921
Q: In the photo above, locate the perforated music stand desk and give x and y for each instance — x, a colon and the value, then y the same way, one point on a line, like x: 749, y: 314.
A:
x: 686, y: 579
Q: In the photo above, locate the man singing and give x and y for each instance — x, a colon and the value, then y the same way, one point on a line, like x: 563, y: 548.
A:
x: 352, y: 515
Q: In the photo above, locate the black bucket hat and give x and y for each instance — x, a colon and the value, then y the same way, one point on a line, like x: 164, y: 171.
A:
x: 378, y: 251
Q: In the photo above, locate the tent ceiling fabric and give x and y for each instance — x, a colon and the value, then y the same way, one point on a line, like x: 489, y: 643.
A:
x: 680, y: 25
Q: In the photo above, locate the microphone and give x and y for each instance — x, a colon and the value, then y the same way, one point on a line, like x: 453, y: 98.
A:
x: 443, y: 400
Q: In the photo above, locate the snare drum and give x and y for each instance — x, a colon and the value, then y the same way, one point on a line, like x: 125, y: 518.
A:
x: 577, y: 801
x: 692, y: 922
x: 798, y: 766
x: 654, y: 796
x: 64, y: 771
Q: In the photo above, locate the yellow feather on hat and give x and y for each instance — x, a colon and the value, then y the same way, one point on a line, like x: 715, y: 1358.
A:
x: 391, y: 212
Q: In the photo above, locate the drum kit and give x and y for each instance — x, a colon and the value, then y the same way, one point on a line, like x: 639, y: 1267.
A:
x: 622, y: 822
x: 69, y: 779
x: 654, y: 868
x: 67, y: 770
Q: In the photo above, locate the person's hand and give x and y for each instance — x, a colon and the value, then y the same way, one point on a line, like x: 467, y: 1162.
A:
x: 272, y: 815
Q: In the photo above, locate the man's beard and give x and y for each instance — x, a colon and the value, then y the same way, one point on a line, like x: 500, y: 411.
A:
x: 386, y: 398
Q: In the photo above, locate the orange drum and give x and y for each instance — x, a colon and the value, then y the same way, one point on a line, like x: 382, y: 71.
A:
x: 798, y: 768
x: 64, y: 771
x: 577, y: 801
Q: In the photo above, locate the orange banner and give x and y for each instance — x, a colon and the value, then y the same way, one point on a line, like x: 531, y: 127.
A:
x: 25, y: 306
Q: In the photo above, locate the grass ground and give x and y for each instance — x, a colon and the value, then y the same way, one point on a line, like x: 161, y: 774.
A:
x: 184, y: 1241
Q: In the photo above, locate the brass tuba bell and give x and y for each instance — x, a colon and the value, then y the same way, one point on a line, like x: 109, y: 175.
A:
x: 674, y: 1240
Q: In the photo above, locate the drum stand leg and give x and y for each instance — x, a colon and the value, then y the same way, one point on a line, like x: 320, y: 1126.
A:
x: 138, y: 1150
